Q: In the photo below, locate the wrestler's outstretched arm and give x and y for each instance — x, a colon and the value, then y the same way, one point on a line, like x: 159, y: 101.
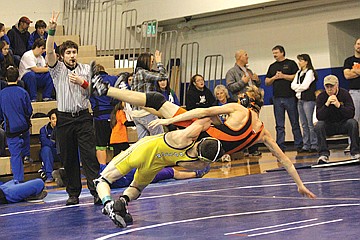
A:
x: 285, y: 161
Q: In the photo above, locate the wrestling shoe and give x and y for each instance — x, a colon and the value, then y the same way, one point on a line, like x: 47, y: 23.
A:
x: 115, y: 216
x: 37, y: 198
x: 120, y: 207
x: 202, y: 172
x: 323, y: 159
x: 356, y: 156
x: 97, y: 86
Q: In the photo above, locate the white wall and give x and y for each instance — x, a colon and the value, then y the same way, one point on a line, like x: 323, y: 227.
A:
x: 11, y: 11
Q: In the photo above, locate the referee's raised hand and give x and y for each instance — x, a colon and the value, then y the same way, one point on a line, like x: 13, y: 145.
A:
x: 53, y: 20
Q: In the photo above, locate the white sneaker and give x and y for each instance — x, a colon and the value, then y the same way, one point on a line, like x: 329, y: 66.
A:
x: 347, y: 149
x: 323, y: 159
x: 356, y: 156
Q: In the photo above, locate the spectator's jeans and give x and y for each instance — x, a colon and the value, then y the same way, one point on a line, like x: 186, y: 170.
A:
x: 306, y: 111
x: 142, y: 127
x: 33, y: 81
x: 349, y: 127
x: 280, y: 106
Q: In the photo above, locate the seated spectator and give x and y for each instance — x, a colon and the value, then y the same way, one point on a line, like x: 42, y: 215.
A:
x: 335, y: 113
x: 3, y: 36
x: 14, y: 191
x: 198, y: 95
x: 19, y: 37
x: 35, y: 73
x: 15, y: 111
x: 222, y: 97
x: 102, y: 107
x: 48, y: 151
x: 6, y: 60
x: 163, y: 86
x: 40, y: 32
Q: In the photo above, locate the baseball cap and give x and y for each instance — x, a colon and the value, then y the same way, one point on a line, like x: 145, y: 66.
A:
x: 25, y: 20
x: 331, y: 79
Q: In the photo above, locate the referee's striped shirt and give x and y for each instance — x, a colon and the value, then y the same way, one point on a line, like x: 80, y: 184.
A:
x: 70, y: 97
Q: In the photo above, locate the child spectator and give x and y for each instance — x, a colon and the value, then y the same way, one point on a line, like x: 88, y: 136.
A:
x: 15, y: 111
x: 48, y: 152
x: 118, y: 139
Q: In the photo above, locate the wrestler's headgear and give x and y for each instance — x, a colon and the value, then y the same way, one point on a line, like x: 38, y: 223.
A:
x: 210, y: 149
x: 252, y: 103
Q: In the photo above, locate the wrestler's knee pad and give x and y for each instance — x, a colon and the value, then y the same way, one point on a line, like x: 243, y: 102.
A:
x: 99, y: 180
x: 154, y: 100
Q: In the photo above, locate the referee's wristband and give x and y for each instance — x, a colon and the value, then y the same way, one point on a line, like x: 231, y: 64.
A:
x: 85, y: 85
x: 51, y: 32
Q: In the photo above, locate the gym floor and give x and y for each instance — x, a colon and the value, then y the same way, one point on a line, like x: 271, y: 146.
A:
x: 235, y: 200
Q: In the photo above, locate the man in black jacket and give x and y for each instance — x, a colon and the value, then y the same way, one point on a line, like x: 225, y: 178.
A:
x: 335, y: 111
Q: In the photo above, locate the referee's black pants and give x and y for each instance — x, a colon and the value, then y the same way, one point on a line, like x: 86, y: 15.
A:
x: 75, y: 134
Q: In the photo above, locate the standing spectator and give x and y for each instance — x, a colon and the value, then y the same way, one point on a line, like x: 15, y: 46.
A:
x: 163, y: 87
x: 35, y: 73
x: 352, y: 73
x: 48, y: 151
x: 198, y: 95
x: 19, y: 37
x: 119, y: 139
x: 335, y: 111
x: 222, y: 97
x: 75, y: 132
x: 280, y: 74
x: 40, y: 32
x: 3, y: 36
x: 238, y: 78
x: 15, y: 111
x: 102, y: 107
x: 144, y: 81
x: 304, y: 85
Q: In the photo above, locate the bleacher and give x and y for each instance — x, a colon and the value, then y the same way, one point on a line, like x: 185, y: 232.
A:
x: 85, y: 55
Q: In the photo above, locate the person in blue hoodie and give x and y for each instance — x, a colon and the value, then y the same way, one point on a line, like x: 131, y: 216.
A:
x: 48, y: 151
x: 40, y: 32
x: 15, y: 111
x: 102, y: 107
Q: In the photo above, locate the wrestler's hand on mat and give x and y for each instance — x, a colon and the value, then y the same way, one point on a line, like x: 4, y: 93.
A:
x: 157, y: 122
x: 306, y: 192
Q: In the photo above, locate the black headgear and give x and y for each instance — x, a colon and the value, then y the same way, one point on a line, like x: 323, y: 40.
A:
x: 210, y: 152
x: 248, y: 102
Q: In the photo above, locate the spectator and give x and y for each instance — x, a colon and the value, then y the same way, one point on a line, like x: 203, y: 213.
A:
x: 6, y: 60
x: 198, y: 95
x: 124, y: 82
x: 352, y: 73
x: 163, y: 87
x: 15, y: 111
x: 48, y: 151
x: 222, y: 97
x: 119, y: 138
x: 19, y: 37
x: 102, y: 107
x: 3, y: 35
x: 304, y: 85
x: 15, y: 191
x: 335, y: 113
x: 40, y: 32
x: 75, y: 132
x: 144, y: 81
x: 280, y: 74
x: 240, y: 76
x: 35, y: 73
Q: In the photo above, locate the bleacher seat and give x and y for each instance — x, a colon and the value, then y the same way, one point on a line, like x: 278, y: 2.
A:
x: 5, y: 167
x: 87, y: 51
x: 38, y: 123
x: 43, y: 107
x: 117, y: 71
x: 106, y: 61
